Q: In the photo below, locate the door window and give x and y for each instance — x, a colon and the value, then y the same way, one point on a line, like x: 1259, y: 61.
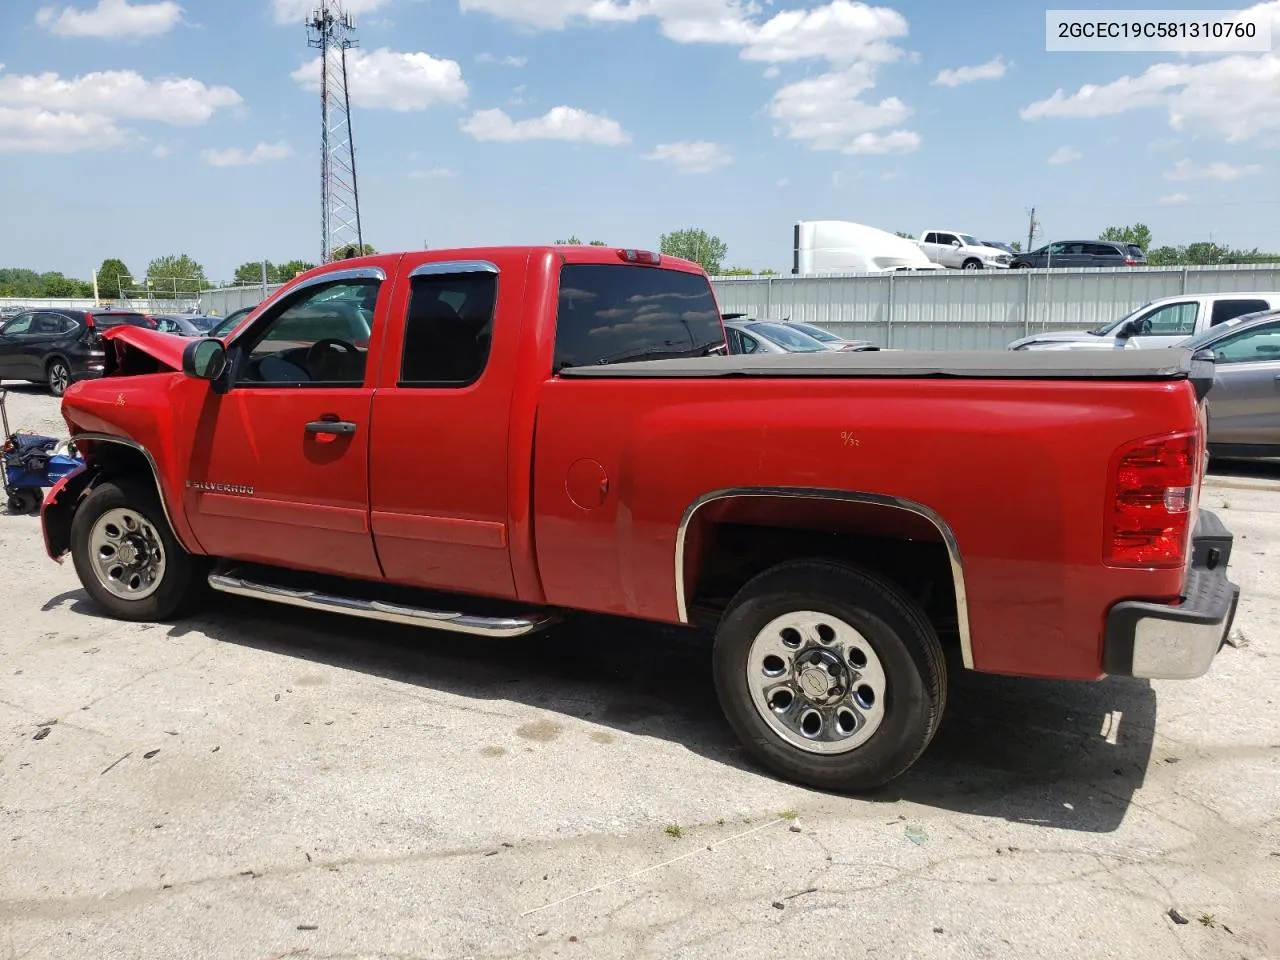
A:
x: 320, y: 337
x: 946, y: 239
x: 449, y: 329
x: 18, y: 325
x: 1101, y: 250
x: 1262, y: 343
x: 45, y: 325
x: 1225, y: 310
x: 749, y: 343
x: 1171, y: 320
x: 930, y: 238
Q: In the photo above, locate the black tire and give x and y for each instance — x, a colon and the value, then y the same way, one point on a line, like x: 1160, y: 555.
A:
x: 971, y: 264
x: 1018, y: 266
x: 23, y: 501
x: 57, y: 375
x: 183, y: 581
x: 897, y: 631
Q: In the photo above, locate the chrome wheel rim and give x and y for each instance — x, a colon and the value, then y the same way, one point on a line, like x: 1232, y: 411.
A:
x: 127, y: 554
x: 59, y: 377
x: 816, y: 682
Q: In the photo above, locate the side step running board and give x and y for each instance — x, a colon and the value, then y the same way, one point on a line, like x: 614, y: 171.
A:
x: 497, y: 627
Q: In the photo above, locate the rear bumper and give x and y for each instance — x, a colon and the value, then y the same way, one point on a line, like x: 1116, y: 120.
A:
x: 1158, y: 641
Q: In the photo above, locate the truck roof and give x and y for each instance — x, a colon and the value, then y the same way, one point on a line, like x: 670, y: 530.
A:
x: 569, y: 252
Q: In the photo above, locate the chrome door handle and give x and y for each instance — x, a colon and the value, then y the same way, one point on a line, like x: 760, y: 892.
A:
x: 339, y: 428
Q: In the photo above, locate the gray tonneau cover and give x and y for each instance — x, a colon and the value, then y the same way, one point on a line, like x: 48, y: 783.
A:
x: 1134, y: 364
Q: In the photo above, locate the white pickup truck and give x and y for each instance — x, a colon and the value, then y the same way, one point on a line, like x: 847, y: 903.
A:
x: 1158, y: 323
x: 960, y: 251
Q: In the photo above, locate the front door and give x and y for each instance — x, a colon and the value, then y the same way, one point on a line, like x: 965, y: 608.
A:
x: 280, y: 464
x: 13, y: 337
x: 1244, y: 404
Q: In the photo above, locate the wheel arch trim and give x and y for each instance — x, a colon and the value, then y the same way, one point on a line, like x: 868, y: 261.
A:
x: 155, y: 473
x: 845, y: 496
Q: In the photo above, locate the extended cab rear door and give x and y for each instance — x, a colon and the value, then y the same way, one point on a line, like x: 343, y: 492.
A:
x: 279, y: 469
x: 438, y: 458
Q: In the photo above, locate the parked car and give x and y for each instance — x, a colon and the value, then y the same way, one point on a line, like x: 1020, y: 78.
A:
x: 829, y: 339
x: 1244, y: 404
x: 10, y: 311
x: 769, y: 336
x: 222, y: 327
x: 961, y: 251
x: 1078, y: 254
x: 184, y: 325
x: 58, y: 347
x: 824, y: 513
x: 1008, y: 248
x: 1157, y: 323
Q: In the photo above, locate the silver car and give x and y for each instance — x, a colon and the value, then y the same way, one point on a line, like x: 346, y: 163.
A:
x: 769, y: 336
x: 1244, y: 404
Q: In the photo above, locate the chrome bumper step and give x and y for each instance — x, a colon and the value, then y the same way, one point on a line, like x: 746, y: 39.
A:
x: 233, y: 582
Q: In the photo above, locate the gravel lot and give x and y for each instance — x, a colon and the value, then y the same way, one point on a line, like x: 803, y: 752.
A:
x: 257, y: 783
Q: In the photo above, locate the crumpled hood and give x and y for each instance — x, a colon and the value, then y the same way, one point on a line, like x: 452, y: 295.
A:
x: 126, y: 345
x: 1067, y: 340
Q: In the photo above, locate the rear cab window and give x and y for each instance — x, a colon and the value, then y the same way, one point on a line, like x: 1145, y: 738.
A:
x: 617, y: 313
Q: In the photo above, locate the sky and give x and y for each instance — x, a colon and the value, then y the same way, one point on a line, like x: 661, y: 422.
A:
x: 138, y: 129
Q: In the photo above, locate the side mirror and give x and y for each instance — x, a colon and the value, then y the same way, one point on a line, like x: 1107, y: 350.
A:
x: 956, y: 244
x: 204, y: 359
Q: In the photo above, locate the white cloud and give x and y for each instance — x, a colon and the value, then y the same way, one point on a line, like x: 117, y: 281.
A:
x: 993, y: 69
x: 119, y: 94
x: 236, y: 157
x: 34, y: 130
x: 112, y: 19
x: 1065, y: 155
x: 385, y: 79
x: 1235, y: 97
x: 510, y: 61
x: 826, y: 112
x: 297, y: 11
x: 784, y: 181
x: 1173, y: 199
x: 772, y: 72
x: 558, y: 123
x: 435, y: 173
x: 1218, y: 170
x: 823, y: 111
x: 691, y: 156
x: 161, y: 151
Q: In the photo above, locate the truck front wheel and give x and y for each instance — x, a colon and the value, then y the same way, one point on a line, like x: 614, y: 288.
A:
x: 127, y: 557
x: 830, y: 676
x: 972, y: 264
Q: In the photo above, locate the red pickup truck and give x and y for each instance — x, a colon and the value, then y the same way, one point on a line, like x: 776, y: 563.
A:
x: 484, y: 440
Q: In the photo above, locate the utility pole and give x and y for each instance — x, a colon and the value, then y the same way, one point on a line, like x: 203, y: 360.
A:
x: 1033, y: 227
x: 332, y: 32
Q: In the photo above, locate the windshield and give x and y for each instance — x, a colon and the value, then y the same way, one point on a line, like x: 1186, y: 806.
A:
x: 784, y: 336
x: 969, y: 241
x: 816, y: 332
x: 1114, y: 325
x: 1208, y: 336
x: 203, y: 324
x: 105, y: 321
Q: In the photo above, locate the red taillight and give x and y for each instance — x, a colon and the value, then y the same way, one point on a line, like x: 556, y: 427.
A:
x: 640, y: 256
x: 1154, y: 485
x: 88, y: 320
x: 1130, y: 262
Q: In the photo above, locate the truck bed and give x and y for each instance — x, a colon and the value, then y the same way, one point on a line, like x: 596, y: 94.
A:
x: 1168, y: 364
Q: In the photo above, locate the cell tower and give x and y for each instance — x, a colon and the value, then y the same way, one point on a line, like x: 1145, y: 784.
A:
x: 331, y: 31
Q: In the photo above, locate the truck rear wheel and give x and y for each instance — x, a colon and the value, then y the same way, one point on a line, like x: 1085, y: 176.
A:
x: 830, y: 676
x: 127, y: 557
